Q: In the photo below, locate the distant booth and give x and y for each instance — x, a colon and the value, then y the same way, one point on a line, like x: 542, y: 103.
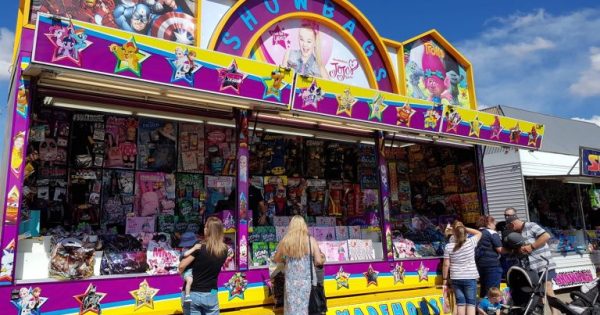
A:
x: 132, y: 122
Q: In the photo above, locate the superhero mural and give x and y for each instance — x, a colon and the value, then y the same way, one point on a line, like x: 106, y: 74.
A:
x: 166, y: 19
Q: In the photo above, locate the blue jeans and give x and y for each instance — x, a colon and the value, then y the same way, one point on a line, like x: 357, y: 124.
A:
x: 465, y: 291
x: 203, y: 303
x: 489, y: 277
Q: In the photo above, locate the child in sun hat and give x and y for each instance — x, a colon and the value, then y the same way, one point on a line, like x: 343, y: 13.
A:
x: 188, y: 240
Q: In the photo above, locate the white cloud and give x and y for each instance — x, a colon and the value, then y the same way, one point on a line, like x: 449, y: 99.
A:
x: 6, y: 50
x: 589, y: 79
x: 539, y: 61
x: 594, y: 119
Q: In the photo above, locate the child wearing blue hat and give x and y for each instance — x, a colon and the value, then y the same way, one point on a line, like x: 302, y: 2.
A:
x: 188, y: 240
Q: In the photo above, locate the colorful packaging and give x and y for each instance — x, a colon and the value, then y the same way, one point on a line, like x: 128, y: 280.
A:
x: 156, y: 145
x: 296, y: 196
x: 316, y: 196
x: 155, y: 193
x: 121, y: 139
x: 354, y: 232
x: 335, y: 251
x: 218, y: 190
x: 281, y: 220
x: 361, y: 250
x: 324, y: 233
x: 87, y: 142
x: 315, y: 159
x: 334, y: 198
x: 191, y: 148
x: 275, y: 195
x: 325, y: 221
x: 161, y: 258
x: 220, y: 148
x: 341, y: 233
x: 191, y: 196
x: 117, y: 196
x: 280, y: 232
x: 137, y: 225
x: 260, y: 254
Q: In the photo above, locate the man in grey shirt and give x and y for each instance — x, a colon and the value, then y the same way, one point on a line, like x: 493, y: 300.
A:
x: 536, y: 247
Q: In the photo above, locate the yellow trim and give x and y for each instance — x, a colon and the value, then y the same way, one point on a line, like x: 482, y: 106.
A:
x: 456, y: 54
x: 354, y: 45
x: 401, y: 74
x: 18, y: 31
x: 198, y: 22
x: 391, y: 42
x: 352, y: 10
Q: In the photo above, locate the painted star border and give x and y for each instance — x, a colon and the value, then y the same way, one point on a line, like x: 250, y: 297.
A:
x: 79, y: 299
x: 149, y: 289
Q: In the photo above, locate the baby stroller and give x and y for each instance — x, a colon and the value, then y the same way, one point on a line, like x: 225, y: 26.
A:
x: 528, y: 292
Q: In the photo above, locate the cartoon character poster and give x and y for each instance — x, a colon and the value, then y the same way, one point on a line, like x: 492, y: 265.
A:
x: 220, y: 150
x: 191, y: 148
x: 84, y: 195
x: 315, y: 158
x: 156, y: 146
x: 218, y: 191
x: 316, y: 196
x: 296, y: 196
x: 166, y: 19
x: 191, y: 195
x: 275, y: 195
x: 87, y: 140
x: 120, y: 141
x: 7, y: 262
x: 311, y: 49
x: 28, y: 301
x: 155, y: 193
x: 433, y: 74
x: 117, y: 196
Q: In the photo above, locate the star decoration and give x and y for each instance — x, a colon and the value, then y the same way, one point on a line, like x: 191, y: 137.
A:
x: 475, y: 127
x: 274, y: 85
x: 231, y: 77
x: 398, y: 273
x: 371, y: 276
x: 515, y: 133
x: 431, y: 118
x: 279, y: 37
x: 312, y: 95
x: 236, y: 286
x: 404, y: 114
x: 496, y: 128
x: 377, y: 107
x: 342, y: 279
x: 129, y: 57
x: 345, y: 102
x: 533, y: 136
x: 453, y: 118
x: 184, y: 66
x: 144, y: 295
x: 90, y: 300
x: 29, y: 301
x: 68, y: 43
x: 423, y: 272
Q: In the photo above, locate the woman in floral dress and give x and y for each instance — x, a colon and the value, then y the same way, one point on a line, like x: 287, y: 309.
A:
x: 294, y: 251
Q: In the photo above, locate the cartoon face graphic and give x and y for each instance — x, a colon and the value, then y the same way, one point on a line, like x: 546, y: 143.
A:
x: 48, y: 150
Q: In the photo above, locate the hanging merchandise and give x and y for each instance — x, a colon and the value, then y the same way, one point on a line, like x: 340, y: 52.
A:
x: 335, y: 198
x: 351, y: 201
x: 220, y: 148
x: 87, y: 143
x: 467, y: 177
x: 85, y: 190
x: 120, y: 141
x: 367, y: 167
x: 349, y: 164
x: 316, y: 196
x: 315, y: 159
x: 117, y: 196
x: 449, y: 179
x: 191, y: 195
x: 161, y: 258
x: 219, y: 194
x: 296, y: 196
x: 293, y: 157
x: 191, y: 148
x: 275, y: 195
x: 594, y: 195
x: 155, y: 193
x: 157, y: 145
x: 273, y: 155
x: 334, y: 160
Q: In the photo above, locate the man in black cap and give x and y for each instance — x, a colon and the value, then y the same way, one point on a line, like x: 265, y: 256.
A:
x: 535, y: 248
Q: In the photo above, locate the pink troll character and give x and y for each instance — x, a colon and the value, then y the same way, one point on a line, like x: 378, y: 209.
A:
x: 435, y: 79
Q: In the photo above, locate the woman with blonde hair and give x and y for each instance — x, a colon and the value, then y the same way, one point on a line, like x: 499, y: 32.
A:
x: 459, y: 265
x: 294, y: 250
x: 206, y: 261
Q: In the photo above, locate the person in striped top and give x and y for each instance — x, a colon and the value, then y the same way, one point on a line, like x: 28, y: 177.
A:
x: 460, y: 267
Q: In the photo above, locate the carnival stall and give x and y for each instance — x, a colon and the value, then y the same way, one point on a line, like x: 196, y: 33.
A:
x: 132, y: 122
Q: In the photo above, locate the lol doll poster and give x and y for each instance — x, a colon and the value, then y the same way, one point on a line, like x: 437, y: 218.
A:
x: 310, y: 49
x: 433, y: 74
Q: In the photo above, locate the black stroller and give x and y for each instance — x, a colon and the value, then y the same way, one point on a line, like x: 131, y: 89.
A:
x: 528, y: 291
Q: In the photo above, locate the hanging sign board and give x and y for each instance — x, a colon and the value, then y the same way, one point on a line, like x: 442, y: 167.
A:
x: 590, y: 161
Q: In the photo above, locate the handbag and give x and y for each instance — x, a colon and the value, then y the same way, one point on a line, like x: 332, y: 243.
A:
x: 317, y: 303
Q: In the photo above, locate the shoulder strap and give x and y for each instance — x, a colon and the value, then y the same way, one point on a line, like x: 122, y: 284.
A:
x: 311, y: 259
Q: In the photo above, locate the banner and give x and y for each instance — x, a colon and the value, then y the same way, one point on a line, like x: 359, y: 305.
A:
x: 590, y: 161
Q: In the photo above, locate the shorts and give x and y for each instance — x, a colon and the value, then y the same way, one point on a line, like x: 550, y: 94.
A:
x: 551, y: 274
x: 465, y: 291
x: 187, y: 273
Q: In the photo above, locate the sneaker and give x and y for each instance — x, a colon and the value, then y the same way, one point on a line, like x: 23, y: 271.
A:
x: 187, y: 299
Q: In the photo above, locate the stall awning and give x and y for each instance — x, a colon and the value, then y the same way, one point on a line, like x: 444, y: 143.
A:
x: 393, y: 112
x: 91, y: 55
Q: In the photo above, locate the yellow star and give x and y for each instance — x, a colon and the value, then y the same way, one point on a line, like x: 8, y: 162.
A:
x: 475, y: 127
x: 345, y: 103
x: 144, y: 296
x: 377, y: 107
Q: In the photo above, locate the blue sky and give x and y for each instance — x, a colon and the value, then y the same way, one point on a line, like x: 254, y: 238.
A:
x: 540, y: 55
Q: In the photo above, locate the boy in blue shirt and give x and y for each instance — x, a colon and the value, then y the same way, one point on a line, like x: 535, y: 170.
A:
x: 490, y: 305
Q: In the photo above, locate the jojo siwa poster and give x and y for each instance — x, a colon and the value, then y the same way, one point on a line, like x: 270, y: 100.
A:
x: 155, y: 193
x: 433, y: 74
x: 311, y: 49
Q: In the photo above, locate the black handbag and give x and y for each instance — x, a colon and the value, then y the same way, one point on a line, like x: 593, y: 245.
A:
x: 317, y: 303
